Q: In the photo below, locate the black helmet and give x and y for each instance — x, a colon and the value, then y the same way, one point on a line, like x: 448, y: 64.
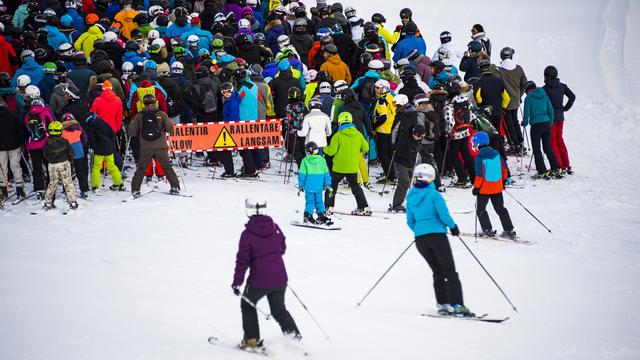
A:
x: 311, y: 148
x: 336, y: 7
x: 365, y: 58
x: 406, y: 13
x: 348, y: 95
x: 408, y: 72
x: 131, y: 45
x: 369, y: 27
x: 149, y: 99
x: 530, y: 85
x: 315, y: 103
x: 141, y: 18
x: 445, y: 37
x: 410, y: 28
x: 4, y: 79
x: 507, y: 53
x: 259, y: 38
x: 550, y: 72
x: 484, y: 63
x: 378, y: 18
x: 437, y: 66
x: 239, y: 74
x: 294, y: 93
x: 202, y: 72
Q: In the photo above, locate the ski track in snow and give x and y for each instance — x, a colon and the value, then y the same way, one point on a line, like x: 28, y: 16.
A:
x: 150, y: 278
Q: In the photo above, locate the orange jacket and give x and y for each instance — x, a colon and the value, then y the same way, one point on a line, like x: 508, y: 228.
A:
x: 337, y: 69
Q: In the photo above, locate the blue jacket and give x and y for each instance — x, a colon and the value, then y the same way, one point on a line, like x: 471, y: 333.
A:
x: 31, y: 68
x: 314, y: 175
x: 249, y: 104
x: 440, y: 78
x: 133, y: 57
x: 231, y: 108
x: 369, y: 74
x: 204, y: 36
x: 270, y: 70
x: 257, y: 14
x: 175, y: 30
x: 556, y: 92
x: 55, y: 38
x: 78, y: 21
x: 271, y: 37
x: 46, y: 87
x: 408, y: 44
x: 491, y: 171
x: 20, y: 16
x: 537, y: 108
x: 427, y: 213
x: 469, y: 65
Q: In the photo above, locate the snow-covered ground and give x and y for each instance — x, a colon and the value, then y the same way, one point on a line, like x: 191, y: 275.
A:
x: 150, y: 279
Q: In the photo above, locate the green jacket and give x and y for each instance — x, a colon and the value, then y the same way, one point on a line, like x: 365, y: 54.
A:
x: 346, y: 147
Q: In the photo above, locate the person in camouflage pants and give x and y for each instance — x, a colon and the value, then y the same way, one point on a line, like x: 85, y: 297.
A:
x: 58, y: 153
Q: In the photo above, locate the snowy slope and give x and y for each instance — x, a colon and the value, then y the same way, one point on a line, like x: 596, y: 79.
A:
x: 150, y: 279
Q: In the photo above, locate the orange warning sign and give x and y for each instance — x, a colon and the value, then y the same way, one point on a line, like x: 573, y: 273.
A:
x: 227, y: 135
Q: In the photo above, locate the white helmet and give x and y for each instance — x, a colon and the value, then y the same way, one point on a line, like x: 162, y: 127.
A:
x: 255, y: 206
x: 443, y: 53
x: 65, y: 49
x: 312, y: 74
x: 401, y: 99
x: 109, y: 36
x: 24, y: 80
x: 127, y: 67
x: 32, y: 92
x: 291, y: 7
x: 283, y: 40
x: 153, y: 34
x: 383, y: 85
x: 193, y: 40
x: 424, y: 172
x: 349, y: 11
x: 340, y: 85
x: 155, y: 10
x: 376, y: 65
x: 252, y: 3
x: 177, y: 67
x: 244, y: 24
x: 324, y: 88
x: 160, y: 42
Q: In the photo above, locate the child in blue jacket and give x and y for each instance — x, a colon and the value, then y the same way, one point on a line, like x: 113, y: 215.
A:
x: 428, y: 217
x: 313, y: 178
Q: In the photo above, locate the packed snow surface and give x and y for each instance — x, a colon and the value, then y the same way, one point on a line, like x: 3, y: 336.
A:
x: 150, y: 278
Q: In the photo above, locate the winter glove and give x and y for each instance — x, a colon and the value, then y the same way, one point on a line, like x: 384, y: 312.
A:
x: 399, y: 28
x: 455, y: 231
x: 236, y: 290
x: 475, y: 191
x: 330, y: 192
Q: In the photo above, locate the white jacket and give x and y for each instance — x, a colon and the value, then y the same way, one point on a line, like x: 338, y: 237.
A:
x: 454, y: 55
x: 316, y: 126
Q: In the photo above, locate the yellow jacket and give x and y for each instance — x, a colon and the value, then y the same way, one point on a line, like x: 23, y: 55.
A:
x: 384, y: 107
x: 388, y: 37
x: 86, y: 40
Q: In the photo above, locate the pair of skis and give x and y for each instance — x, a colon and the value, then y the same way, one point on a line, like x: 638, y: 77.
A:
x: 213, y: 340
x: 503, y: 239
x: 131, y: 197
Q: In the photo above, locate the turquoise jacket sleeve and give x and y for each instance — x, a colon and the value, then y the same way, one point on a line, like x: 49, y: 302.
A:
x: 443, y: 211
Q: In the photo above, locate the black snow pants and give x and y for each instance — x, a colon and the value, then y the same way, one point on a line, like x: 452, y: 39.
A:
x: 278, y: 311
x: 435, y: 249
x: 498, y: 205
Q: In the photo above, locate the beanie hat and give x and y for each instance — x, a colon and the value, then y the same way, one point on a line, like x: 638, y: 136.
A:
x: 106, y: 85
x: 330, y: 48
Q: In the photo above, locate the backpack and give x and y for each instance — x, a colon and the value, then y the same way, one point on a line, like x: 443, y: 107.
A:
x: 150, y: 130
x: 461, y: 115
x: 36, y: 128
x: 367, y: 90
x: 208, y: 101
x: 142, y: 91
x: 172, y: 107
x: 481, y: 122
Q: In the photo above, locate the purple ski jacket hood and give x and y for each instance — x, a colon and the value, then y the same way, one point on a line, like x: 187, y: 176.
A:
x: 261, y: 247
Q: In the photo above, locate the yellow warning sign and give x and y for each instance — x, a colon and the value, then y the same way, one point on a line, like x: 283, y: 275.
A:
x: 224, y: 139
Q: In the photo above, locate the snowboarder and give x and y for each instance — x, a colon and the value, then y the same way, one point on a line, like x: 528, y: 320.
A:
x: 313, y: 178
x: 262, y: 245
x: 491, y: 174
x: 59, y: 155
x: 428, y: 217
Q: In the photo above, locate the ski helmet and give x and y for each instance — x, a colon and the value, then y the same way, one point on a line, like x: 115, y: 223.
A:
x: 153, y: 34
x: 365, y: 58
x: 255, y: 206
x: 55, y: 128
x: 530, y: 85
x: 507, y: 53
x: 383, y: 85
x: 424, y: 172
x: 300, y: 25
x: 345, y: 118
x: 339, y: 86
x: 283, y: 40
x: 311, y: 148
x: 443, y: 53
x: 369, y: 28
x: 244, y: 24
x: 350, y: 11
x: 376, y: 65
x: 26, y: 54
x: 32, y: 92
x: 259, y: 39
x: 127, y: 67
x: 23, y: 80
x: 480, y: 139
x: 474, y: 46
x: 65, y: 49
x: 378, y: 18
x: 109, y: 36
x: 401, y: 100
x: 410, y: 28
x: 324, y: 88
x: 226, y: 88
x: 193, y: 40
x: 131, y: 45
x: 550, y: 72
x: 293, y: 93
x: 445, y: 37
x: 406, y: 13
x: 408, y: 73
x: 348, y: 95
x: 67, y: 117
x: 49, y: 68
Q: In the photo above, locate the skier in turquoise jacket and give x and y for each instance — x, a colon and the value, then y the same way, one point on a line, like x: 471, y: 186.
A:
x: 313, y: 178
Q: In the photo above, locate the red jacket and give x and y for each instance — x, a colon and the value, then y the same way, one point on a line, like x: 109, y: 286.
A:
x: 7, y: 57
x: 108, y: 107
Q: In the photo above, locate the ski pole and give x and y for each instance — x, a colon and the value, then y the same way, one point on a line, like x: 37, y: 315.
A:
x: 522, y: 155
x: 530, y: 161
x: 388, y: 172
x: 284, y: 153
x: 524, y: 207
x: 385, y: 273
x: 444, y: 157
x: 487, y: 272
x: 253, y: 305
x: 475, y: 232
x: 179, y: 167
x: 308, y: 312
x: 27, y: 163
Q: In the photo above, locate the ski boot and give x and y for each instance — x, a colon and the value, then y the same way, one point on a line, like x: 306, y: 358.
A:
x: 509, y: 234
x: 329, y: 211
x: 462, y: 311
x: 568, y: 170
x: 445, y: 309
x: 115, y: 187
x: 174, y: 191
x: 252, y: 345
x: 249, y: 175
x: 20, y: 193
x: 227, y: 175
x: 323, y: 220
x: 442, y: 188
x: 83, y: 195
x: 487, y: 233
x: 460, y: 184
x: 558, y: 174
x: 148, y: 179
x: 73, y: 206
x: 362, y: 212
x: 397, y: 208
x: 48, y: 206
x: 135, y: 194
x: 367, y: 185
x: 308, y: 218
x: 40, y: 195
x: 509, y: 181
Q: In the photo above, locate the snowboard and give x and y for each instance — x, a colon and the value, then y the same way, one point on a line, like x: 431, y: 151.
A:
x: 315, y: 226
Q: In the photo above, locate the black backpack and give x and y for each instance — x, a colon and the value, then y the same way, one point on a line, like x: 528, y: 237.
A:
x: 367, y: 90
x: 461, y: 115
x: 208, y: 101
x: 36, y: 127
x: 150, y: 130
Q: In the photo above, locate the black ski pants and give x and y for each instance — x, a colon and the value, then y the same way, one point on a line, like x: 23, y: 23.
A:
x: 460, y: 148
x: 498, y: 205
x: 435, y: 249
x: 541, y: 133
x: 427, y: 157
x: 82, y: 173
x: 38, y: 163
x: 356, y: 190
x: 513, y: 128
x: 385, y: 153
x: 278, y: 311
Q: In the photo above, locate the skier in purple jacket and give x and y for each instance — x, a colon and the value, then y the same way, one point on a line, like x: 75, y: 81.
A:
x: 261, y: 247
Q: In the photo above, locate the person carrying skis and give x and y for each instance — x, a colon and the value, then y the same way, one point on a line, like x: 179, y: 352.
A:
x: 347, y: 147
x: 313, y: 178
x: 491, y: 174
x: 261, y: 247
x: 59, y: 155
x: 428, y: 217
